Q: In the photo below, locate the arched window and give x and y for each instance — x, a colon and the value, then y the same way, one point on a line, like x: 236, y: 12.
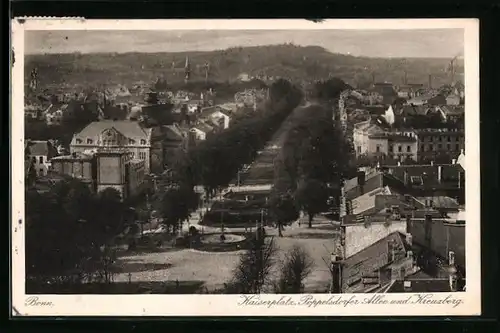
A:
x: 143, y: 142
x: 89, y: 141
x: 78, y: 141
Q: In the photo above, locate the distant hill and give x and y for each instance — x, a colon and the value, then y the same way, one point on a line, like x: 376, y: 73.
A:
x: 290, y: 61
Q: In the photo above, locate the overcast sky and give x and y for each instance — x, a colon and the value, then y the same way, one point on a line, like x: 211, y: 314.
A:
x: 438, y: 43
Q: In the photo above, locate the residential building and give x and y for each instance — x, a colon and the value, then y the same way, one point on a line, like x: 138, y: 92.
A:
x: 201, y: 131
x: 451, y: 114
x: 361, y: 133
x: 32, y: 112
x: 175, y: 138
x: 376, y: 254
x: 54, y: 114
x: 371, y: 139
x: 40, y: 154
x: 428, y: 180
x: 435, y: 142
x: 126, y: 134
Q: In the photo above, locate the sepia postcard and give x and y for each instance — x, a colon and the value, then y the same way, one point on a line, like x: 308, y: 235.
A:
x: 245, y: 167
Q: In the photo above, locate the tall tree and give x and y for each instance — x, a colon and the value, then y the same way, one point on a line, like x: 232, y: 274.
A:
x: 296, y: 267
x: 311, y: 196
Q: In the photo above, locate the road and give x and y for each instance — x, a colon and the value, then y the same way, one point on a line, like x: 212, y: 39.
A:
x: 261, y: 170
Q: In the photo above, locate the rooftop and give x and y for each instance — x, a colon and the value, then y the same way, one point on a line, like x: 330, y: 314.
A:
x: 41, y: 148
x: 372, y: 258
x: 130, y: 129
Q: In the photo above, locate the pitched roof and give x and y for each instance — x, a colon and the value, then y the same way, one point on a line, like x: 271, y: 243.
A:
x: 365, y: 202
x: 453, y: 110
x: 431, y: 285
x: 372, y: 258
x: 204, y: 127
x: 410, y: 110
x: 428, y: 174
x: 441, y: 202
x: 126, y: 127
x: 41, y: 148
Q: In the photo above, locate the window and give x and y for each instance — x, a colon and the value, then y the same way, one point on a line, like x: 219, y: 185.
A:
x: 378, y: 148
x: 33, y: 159
x: 400, y: 149
x: 391, y: 148
x: 422, y: 147
x: 440, y: 146
x: 78, y: 141
x: 408, y: 149
x: 359, y: 149
x: 142, y: 155
x: 431, y: 148
x: 40, y: 159
x: 143, y: 142
x: 41, y: 171
x: 89, y: 141
x: 457, y: 147
x: 449, y: 138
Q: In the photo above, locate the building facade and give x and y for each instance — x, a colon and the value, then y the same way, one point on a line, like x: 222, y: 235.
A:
x: 40, y: 153
x: 104, y: 169
x: 122, y: 134
x: 432, y: 143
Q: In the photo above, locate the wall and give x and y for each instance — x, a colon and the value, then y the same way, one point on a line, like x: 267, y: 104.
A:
x: 358, y: 237
x: 360, y: 139
x: 382, y: 143
x: 41, y: 168
x: 444, y: 237
x: 135, y: 177
x: 110, y: 170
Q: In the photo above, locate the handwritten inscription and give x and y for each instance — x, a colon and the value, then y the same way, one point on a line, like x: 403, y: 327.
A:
x: 35, y: 301
x: 350, y: 300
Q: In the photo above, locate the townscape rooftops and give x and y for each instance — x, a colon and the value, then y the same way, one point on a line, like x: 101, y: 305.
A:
x: 128, y: 128
x: 427, y: 174
x: 370, y: 259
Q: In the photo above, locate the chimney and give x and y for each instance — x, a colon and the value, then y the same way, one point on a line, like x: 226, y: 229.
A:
x: 453, y: 161
x: 432, y: 163
x: 407, y: 286
x: 361, y: 181
x: 399, y: 163
x: 439, y: 173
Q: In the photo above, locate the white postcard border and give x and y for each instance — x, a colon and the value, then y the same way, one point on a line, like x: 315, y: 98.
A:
x: 231, y: 305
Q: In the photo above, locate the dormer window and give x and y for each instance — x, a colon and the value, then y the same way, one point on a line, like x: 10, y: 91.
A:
x: 131, y: 141
x: 143, y: 142
x: 78, y: 141
x: 89, y: 141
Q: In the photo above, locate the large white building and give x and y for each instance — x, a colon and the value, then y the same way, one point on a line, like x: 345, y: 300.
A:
x: 126, y: 134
